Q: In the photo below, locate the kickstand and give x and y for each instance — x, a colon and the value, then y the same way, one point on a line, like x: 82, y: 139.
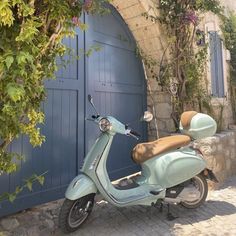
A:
x: 170, y: 217
x: 161, y: 207
x: 158, y: 205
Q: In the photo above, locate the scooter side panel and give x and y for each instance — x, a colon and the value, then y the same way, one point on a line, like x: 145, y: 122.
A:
x: 173, y: 168
x: 79, y: 187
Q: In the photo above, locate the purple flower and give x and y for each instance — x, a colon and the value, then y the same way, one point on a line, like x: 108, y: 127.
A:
x: 87, y: 5
x: 190, y: 17
x: 76, y: 21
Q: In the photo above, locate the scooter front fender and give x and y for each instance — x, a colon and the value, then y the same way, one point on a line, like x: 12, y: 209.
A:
x: 79, y: 187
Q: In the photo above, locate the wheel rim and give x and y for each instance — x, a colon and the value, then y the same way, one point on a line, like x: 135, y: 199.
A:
x: 199, y: 185
x: 79, y: 212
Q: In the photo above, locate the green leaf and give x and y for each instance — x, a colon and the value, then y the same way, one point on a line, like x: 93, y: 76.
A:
x: 41, y: 179
x: 29, y: 185
x: 18, y: 190
x: 15, y: 92
x: 9, y: 60
x: 12, y: 197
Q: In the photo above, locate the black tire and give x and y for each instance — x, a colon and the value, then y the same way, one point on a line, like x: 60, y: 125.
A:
x: 200, y: 182
x: 74, y: 213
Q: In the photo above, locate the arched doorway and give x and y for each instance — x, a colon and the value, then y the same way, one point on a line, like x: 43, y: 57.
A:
x: 114, y: 76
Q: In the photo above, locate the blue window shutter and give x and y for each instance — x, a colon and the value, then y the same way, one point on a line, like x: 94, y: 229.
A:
x: 217, y: 70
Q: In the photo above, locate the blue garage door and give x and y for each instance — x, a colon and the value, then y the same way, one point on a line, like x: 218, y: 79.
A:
x: 114, y: 77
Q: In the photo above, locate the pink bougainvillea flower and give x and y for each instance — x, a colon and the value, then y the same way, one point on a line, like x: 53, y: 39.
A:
x: 190, y: 17
x: 76, y: 21
x: 87, y: 5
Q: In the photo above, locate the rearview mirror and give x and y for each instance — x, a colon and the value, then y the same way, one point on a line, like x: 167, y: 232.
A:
x: 90, y: 99
x: 148, y: 116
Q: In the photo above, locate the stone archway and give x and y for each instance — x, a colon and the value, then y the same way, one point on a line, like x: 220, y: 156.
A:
x: 149, y: 38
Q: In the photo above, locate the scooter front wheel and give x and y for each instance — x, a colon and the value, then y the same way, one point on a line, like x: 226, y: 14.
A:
x: 74, y: 213
x: 200, y: 183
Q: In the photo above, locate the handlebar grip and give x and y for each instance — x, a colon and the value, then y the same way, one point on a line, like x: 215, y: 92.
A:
x: 135, y: 133
x: 95, y: 116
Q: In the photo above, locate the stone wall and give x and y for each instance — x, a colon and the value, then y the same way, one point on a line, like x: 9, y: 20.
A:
x: 150, y: 39
x: 220, y: 153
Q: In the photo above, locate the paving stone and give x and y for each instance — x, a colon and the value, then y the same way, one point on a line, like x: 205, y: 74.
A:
x: 4, y: 233
x: 34, y: 231
x: 9, y: 223
x: 50, y: 223
x: 216, y: 217
x: 22, y: 231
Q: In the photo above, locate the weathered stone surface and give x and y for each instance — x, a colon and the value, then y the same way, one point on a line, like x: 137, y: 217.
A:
x: 34, y: 231
x: 50, y: 223
x: 9, y: 223
x: 22, y: 231
x: 220, y: 153
x: 216, y: 217
x: 165, y: 109
x: 4, y: 233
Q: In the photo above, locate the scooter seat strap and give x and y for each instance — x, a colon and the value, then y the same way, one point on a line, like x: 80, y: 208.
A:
x: 145, y: 151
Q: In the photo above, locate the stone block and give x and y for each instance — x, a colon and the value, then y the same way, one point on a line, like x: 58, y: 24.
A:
x: 221, y: 176
x: 232, y: 127
x: 138, y: 23
x: 9, y: 223
x: 150, y: 45
x: 208, y: 141
x: 162, y: 97
x: 207, y: 150
x: 152, y: 31
x: 34, y: 231
x: 210, y: 162
x: 121, y: 4
x: 227, y: 153
x: 170, y: 125
x: 4, y: 233
x: 163, y: 133
x: 164, y: 110
x: 232, y: 141
x: 154, y: 87
x: 228, y: 164
x: 135, y: 10
x: 233, y: 154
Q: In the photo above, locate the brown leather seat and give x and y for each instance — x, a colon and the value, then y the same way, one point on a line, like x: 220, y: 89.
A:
x: 145, y: 151
x: 186, y: 118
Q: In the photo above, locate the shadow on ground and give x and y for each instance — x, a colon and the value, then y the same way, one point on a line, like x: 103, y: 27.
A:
x: 140, y: 220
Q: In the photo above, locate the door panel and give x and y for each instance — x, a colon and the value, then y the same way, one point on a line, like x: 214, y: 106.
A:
x: 63, y: 150
x: 114, y: 77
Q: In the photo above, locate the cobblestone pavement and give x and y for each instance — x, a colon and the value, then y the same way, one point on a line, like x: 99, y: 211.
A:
x: 216, y: 217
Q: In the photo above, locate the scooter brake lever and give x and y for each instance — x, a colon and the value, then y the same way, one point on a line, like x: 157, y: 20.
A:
x: 137, y: 138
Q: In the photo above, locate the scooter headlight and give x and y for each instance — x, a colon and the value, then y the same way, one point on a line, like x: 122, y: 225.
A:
x: 104, y: 125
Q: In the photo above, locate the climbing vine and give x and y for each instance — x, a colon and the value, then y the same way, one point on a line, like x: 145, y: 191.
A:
x: 228, y: 28
x: 31, y: 33
x: 182, y: 64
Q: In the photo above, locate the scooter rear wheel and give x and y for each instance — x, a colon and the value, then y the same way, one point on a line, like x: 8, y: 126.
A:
x: 201, y: 184
x: 74, y: 213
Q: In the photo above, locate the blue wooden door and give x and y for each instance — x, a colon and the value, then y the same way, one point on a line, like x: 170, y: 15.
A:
x: 114, y: 76
x: 62, y: 153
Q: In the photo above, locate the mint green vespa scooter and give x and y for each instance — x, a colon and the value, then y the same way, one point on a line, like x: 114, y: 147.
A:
x: 172, y: 170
